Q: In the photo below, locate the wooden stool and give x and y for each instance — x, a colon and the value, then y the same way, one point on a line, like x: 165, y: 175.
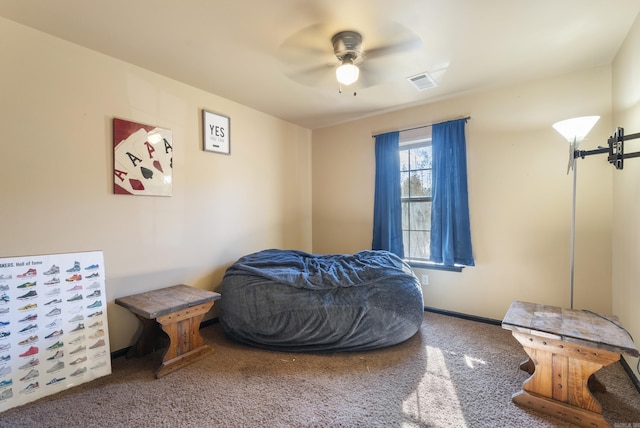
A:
x: 178, y: 311
x: 565, y: 347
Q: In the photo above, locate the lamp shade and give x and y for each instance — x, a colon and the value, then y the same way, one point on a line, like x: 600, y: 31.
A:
x: 347, y: 73
x: 574, y: 130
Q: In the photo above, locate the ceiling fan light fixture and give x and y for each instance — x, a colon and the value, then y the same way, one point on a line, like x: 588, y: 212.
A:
x: 347, y: 73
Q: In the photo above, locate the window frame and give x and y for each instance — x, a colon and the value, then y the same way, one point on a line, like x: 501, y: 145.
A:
x: 416, y: 138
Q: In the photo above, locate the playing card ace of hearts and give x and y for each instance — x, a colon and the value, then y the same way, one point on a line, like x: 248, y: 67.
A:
x: 143, y: 159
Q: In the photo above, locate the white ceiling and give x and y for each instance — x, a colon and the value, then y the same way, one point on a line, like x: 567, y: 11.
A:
x: 236, y: 48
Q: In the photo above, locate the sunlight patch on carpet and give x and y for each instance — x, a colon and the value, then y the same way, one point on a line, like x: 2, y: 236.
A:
x: 471, y: 362
x: 434, y: 401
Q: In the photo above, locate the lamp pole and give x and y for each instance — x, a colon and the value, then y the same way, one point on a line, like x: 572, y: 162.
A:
x: 573, y: 229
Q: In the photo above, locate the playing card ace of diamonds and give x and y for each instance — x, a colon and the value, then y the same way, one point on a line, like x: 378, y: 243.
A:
x: 143, y: 157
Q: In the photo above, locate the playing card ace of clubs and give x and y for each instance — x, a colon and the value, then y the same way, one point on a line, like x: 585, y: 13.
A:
x: 142, y: 159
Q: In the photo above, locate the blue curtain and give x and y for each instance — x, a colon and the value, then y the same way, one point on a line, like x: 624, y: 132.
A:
x: 387, y: 208
x: 450, y: 228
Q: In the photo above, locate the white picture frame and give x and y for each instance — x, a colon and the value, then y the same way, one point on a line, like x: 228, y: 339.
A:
x: 216, y: 133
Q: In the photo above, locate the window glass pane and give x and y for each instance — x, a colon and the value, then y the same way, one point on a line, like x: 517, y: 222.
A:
x: 404, y: 182
x: 420, y: 158
x: 424, y: 178
x: 419, y: 245
x: 404, y: 160
x: 420, y: 216
x: 405, y: 215
x: 405, y: 243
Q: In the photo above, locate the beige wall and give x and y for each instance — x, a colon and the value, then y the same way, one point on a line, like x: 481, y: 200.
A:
x: 626, y: 189
x: 519, y: 194
x: 57, y: 101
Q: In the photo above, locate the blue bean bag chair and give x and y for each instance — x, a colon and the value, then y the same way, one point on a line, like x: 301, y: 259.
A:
x: 290, y: 300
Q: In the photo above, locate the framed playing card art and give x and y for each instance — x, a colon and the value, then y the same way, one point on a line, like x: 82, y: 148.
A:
x: 142, y: 159
x: 216, y: 133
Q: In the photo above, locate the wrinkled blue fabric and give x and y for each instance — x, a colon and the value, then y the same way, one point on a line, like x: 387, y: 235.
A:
x: 295, y: 301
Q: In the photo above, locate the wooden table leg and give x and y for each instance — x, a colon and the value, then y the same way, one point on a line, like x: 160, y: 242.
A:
x: 185, y: 343
x: 148, y: 340
x: 559, y: 385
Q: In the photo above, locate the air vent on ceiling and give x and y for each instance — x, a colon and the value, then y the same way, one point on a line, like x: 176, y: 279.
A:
x: 422, y: 81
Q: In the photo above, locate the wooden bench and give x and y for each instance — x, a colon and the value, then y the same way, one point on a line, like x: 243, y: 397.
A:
x: 565, y: 347
x: 178, y: 311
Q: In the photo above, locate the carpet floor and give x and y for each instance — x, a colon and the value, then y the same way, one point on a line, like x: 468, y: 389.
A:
x: 453, y: 373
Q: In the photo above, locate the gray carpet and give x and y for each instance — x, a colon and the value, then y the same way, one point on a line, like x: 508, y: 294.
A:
x: 453, y: 373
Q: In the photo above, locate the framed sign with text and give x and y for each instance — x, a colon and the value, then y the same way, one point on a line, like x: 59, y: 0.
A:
x: 216, y: 133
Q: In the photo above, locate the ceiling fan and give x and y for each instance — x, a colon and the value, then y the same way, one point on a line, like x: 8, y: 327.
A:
x: 317, y: 56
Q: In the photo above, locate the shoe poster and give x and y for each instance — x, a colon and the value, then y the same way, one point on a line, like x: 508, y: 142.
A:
x: 53, y: 325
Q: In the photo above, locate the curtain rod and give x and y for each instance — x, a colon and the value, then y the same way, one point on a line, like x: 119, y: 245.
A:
x: 422, y: 126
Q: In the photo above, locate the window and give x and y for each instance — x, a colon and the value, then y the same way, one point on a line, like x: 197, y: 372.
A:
x: 416, y: 192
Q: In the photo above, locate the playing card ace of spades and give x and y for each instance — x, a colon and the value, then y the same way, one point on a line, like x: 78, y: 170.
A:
x: 143, y: 157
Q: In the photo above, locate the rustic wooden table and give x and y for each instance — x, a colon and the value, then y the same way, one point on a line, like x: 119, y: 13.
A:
x: 178, y: 310
x: 565, y: 347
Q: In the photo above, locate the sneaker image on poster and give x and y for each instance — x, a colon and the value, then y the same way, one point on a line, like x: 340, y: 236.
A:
x: 53, y: 292
x: 75, y: 288
x: 92, y: 267
x: 77, y: 340
x: 75, y: 298
x: 27, y: 285
x: 98, y: 344
x: 54, y: 334
x: 32, y: 374
x: 4, y: 310
x: 79, y: 327
x: 96, y: 324
x: 28, y: 274
x: 79, y: 371
x: 4, y: 298
x: 5, y: 358
x: 5, y: 277
x: 31, y: 387
x: 78, y: 361
x: 97, y: 334
x: 53, y: 281
x: 75, y: 268
x: 75, y: 277
x: 4, y: 287
x: 29, y: 318
x: 28, y: 340
x: 54, y: 323
x: 56, y: 345
x: 95, y: 314
x: 56, y: 380
x: 28, y: 307
x: 31, y: 351
x: 54, y: 312
x: 53, y: 270
x: 95, y: 304
x: 58, y: 354
x: 6, y: 394
x: 53, y: 302
x: 31, y: 363
x: 77, y: 318
x: 94, y: 295
x: 4, y: 323
x: 57, y: 366
x: 93, y: 275
x: 5, y: 370
x: 78, y: 349
x: 30, y: 295
x: 5, y: 346
x: 6, y: 382
x: 29, y: 328
x: 4, y: 334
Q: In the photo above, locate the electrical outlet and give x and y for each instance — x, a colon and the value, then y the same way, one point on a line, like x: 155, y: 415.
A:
x: 425, y: 279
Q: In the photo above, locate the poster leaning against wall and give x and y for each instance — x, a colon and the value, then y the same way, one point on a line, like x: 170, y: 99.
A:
x: 53, y: 324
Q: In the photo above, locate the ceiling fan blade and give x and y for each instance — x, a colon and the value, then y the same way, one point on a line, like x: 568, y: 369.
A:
x: 392, y: 49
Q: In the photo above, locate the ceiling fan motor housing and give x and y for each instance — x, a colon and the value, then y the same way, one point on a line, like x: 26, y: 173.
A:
x: 348, y: 45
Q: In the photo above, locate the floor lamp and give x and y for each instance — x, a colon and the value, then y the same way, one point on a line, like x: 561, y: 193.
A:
x: 574, y: 131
